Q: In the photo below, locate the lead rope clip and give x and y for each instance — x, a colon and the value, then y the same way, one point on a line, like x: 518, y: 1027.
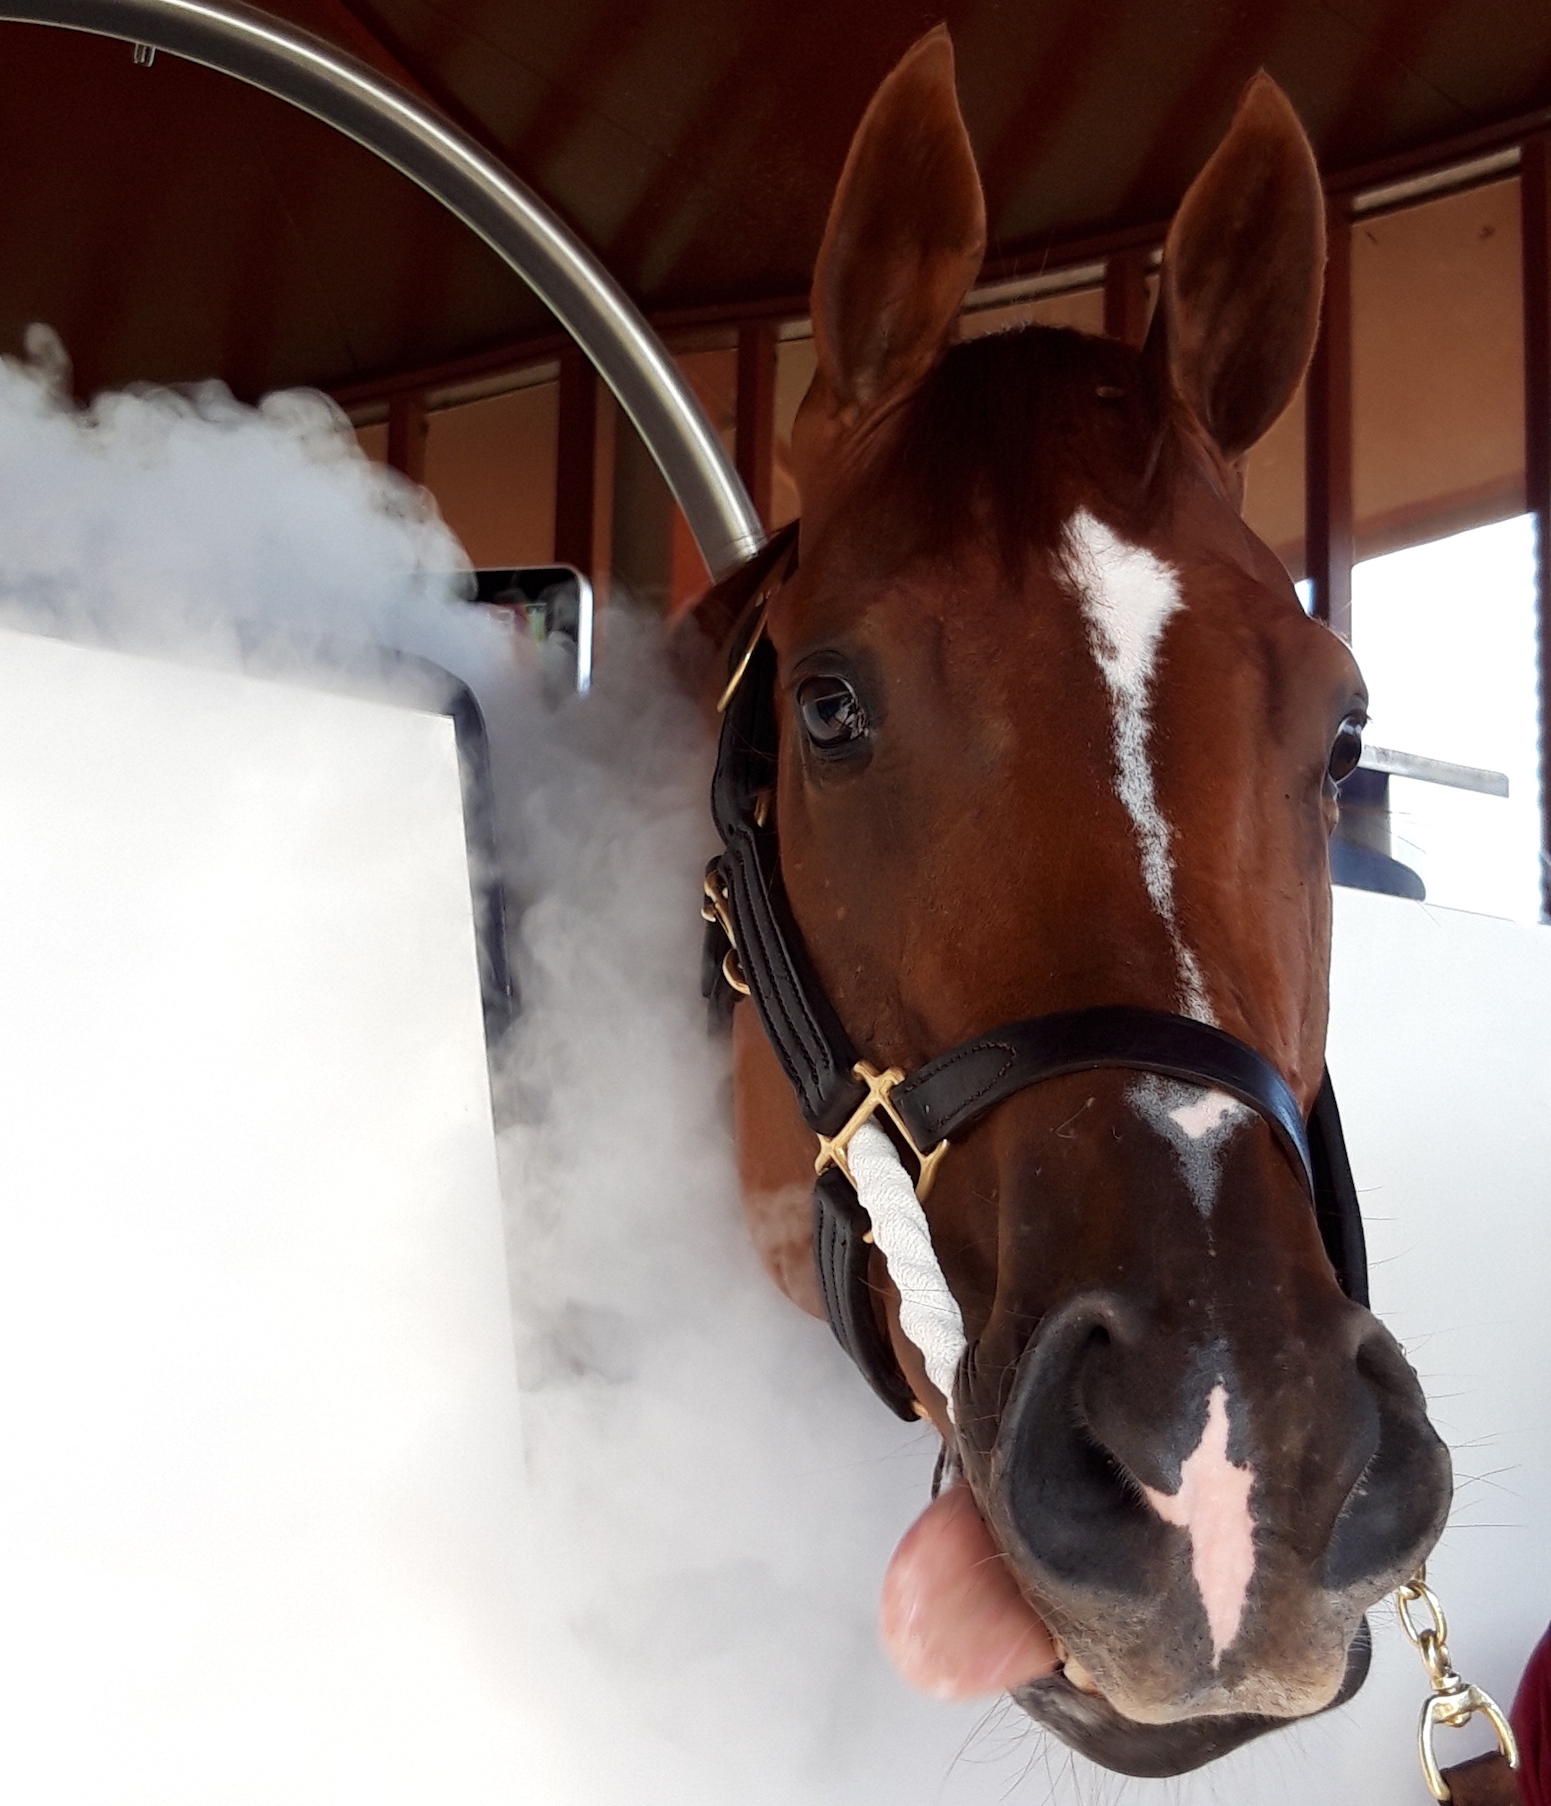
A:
x: 1453, y: 1701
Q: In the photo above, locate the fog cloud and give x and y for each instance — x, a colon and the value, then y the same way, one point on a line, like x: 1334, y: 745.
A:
x: 714, y: 1493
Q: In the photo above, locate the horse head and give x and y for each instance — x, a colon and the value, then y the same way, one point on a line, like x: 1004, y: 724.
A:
x: 1051, y: 733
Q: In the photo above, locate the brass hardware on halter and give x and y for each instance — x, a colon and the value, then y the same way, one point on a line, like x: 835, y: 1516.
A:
x: 832, y: 1148
x: 1453, y: 1702
x: 714, y: 907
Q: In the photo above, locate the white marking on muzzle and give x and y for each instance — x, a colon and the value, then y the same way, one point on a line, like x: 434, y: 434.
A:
x: 1197, y: 1124
x: 1212, y: 1507
x: 928, y: 1311
x: 1205, y: 1113
x: 1127, y: 597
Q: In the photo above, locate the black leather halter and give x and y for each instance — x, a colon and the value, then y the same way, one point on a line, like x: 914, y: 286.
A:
x: 753, y: 946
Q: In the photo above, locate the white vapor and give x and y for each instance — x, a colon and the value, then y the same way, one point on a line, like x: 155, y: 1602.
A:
x: 714, y: 1493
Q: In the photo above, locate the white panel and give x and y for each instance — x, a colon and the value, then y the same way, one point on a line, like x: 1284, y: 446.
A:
x: 1440, y: 1047
x: 258, y: 1410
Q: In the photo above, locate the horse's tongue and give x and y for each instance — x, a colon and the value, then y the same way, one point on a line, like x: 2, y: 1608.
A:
x: 953, y: 1620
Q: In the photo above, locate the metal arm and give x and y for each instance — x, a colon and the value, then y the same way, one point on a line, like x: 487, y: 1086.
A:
x: 241, y: 41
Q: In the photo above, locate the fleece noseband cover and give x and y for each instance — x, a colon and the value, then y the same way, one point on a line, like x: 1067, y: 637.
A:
x: 754, y: 933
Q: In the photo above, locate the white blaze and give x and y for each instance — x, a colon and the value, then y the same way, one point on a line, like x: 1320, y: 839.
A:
x: 1212, y: 1507
x: 1127, y: 597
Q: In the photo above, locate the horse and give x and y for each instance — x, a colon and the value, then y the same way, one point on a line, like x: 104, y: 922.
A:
x: 1023, y: 725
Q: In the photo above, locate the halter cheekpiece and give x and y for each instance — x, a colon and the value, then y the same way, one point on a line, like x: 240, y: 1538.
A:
x: 753, y: 947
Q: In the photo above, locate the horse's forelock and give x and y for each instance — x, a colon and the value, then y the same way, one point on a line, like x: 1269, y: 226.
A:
x: 1011, y: 433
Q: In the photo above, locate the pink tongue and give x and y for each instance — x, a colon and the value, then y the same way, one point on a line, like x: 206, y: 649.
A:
x: 953, y: 1620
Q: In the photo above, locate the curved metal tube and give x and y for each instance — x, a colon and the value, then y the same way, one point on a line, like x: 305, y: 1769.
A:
x: 243, y: 42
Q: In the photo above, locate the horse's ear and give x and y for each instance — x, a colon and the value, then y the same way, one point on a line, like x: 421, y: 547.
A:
x: 1239, y: 289
x: 905, y: 239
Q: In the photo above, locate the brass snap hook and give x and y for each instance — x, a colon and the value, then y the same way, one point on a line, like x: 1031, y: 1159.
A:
x: 1453, y: 1701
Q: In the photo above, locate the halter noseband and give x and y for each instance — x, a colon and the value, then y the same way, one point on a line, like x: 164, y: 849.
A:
x: 753, y: 947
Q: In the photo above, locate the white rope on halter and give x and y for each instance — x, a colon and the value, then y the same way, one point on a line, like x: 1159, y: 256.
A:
x: 928, y: 1313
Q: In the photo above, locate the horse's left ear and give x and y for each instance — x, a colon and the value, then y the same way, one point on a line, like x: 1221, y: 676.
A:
x: 1243, y: 266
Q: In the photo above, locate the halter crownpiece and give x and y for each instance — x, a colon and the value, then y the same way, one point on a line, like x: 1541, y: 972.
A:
x: 754, y: 948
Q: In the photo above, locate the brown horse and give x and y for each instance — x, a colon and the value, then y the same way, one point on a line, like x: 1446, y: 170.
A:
x: 1054, y: 733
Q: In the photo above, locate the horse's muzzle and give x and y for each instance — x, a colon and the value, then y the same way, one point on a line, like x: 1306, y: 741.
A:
x: 1205, y: 1548
x: 1089, y: 1724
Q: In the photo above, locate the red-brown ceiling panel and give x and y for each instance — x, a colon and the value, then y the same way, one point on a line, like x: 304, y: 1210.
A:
x: 174, y: 225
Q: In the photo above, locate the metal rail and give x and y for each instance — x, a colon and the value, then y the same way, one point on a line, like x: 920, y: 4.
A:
x: 1395, y: 764
x: 294, y: 66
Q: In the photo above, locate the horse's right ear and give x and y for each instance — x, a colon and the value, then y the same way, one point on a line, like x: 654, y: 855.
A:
x: 1239, y: 288
x: 905, y: 239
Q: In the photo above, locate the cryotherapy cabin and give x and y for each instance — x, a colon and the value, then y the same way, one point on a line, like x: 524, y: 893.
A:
x: 259, y: 1406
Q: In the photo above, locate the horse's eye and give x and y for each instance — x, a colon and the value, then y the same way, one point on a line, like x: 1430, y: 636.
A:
x: 1346, y: 750
x: 831, y: 712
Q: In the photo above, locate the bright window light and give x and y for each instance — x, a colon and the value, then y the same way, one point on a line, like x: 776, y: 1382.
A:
x: 1445, y: 634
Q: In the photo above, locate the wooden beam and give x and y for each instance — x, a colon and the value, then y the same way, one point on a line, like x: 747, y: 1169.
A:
x: 576, y: 461
x: 407, y: 427
x: 1535, y: 205
x: 1125, y: 297
x: 519, y: 354
x: 641, y: 530
x: 754, y: 433
x: 1328, y: 435
x: 1042, y: 258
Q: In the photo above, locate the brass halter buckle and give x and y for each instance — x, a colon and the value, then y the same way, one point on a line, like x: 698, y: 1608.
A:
x: 1453, y: 1702
x: 714, y: 907
x: 832, y: 1148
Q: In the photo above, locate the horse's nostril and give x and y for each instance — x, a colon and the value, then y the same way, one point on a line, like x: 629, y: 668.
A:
x: 1061, y: 1491
x: 1400, y: 1497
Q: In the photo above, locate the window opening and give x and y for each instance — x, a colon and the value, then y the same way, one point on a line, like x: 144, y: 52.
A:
x: 1445, y: 634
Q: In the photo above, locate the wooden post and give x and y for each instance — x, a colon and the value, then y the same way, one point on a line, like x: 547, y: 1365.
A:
x: 1328, y: 435
x: 576, y: 460
x: 407, y: 427
x: 641, y: 535
x: 754, y: 431
x: 1535, y: 205
x: 1125, y: 297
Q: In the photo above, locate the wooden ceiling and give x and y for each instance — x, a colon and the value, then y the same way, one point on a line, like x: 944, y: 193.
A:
x: 174, y: 225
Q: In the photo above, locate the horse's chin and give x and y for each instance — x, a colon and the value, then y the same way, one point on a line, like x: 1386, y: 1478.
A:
x: 1084, y: 1720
